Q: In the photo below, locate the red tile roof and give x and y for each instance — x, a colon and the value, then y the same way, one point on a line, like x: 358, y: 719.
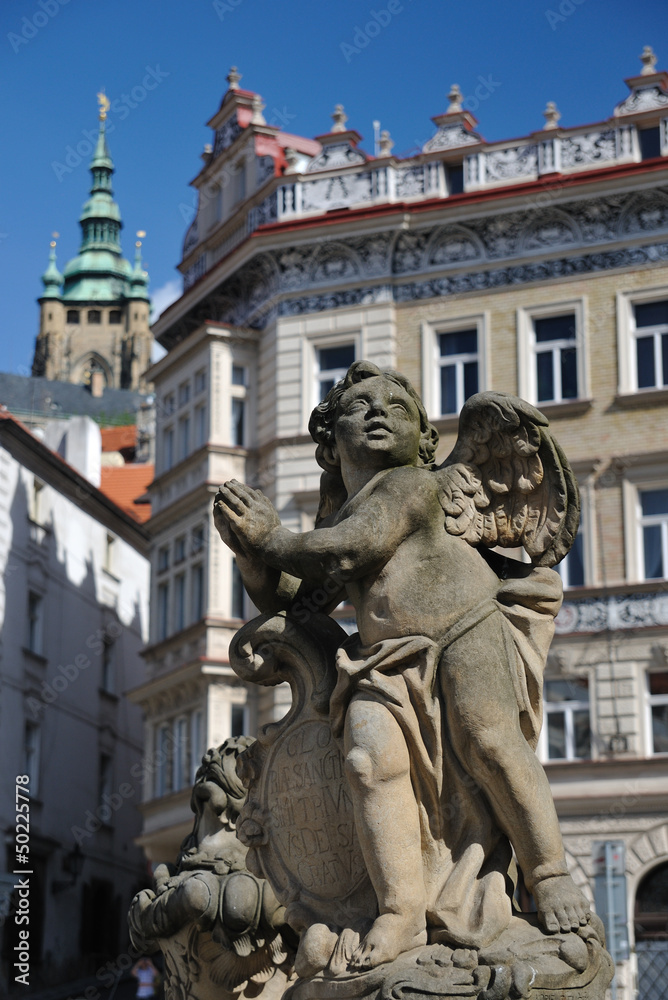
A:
x: 119, y: 438
x: 124, y: 484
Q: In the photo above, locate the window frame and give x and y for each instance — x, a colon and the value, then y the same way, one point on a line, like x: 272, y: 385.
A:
x: 655, y: 519
x: 567, y: 707
x: 627, y: 359
x: 650, y: 701
x: 644, y: 477
x: 527, y: 353
x: 431, y: 358
x: 32, y: 743
x: 35, y: 633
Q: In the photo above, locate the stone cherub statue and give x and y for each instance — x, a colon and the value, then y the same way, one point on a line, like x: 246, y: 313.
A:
x: 436, y: 703
x: 218, y: 926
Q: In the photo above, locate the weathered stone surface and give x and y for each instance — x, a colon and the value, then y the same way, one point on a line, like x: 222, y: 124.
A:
x: 383, y: 808
x: 217, y: 925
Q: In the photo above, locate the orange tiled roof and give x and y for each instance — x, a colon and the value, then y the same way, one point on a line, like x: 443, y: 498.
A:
x: 125, y: 483
x: 118, y: 438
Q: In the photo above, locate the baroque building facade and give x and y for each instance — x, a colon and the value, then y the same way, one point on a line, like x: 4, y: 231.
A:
x: 537, y: 266
x: 74, y: 583
x: 94, y: 317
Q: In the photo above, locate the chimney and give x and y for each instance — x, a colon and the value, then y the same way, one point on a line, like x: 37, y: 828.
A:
x: 96, y: 384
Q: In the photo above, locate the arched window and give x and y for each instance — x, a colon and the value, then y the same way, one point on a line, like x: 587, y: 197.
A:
x: 94, y: 316
x: 651, y: 926
x: 88, y: 368
x: 651, y: 909
x: 72, y: 315
x: 115, y: 316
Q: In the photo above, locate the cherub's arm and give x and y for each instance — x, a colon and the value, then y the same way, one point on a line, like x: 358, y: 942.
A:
x: 269, y: 589
x: 360, y: 543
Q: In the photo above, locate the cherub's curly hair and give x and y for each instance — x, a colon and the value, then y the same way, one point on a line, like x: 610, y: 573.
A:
x: 322, y: 429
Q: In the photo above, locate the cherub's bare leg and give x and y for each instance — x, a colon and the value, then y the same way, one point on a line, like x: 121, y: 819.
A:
x: 386, y: 817
x: 484, y: 725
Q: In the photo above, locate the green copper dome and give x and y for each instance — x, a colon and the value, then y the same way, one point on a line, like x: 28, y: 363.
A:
x: 52, y: 278
x: 99, y: 272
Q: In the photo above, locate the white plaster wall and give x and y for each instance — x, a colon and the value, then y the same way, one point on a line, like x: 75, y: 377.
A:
x: 62, y: 558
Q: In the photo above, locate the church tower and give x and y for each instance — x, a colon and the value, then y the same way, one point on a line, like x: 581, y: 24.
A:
x: 95, y: 316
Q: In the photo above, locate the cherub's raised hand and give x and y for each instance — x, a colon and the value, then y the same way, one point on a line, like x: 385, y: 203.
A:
x: 244, y: 517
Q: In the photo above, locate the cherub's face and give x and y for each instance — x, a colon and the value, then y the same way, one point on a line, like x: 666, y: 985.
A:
x: 377, y: 425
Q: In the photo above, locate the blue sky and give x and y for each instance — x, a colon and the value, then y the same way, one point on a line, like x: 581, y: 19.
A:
x: 303, y: 57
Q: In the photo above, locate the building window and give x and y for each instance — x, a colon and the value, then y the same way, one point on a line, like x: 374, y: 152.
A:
x: 105, y: 779
x: 566, y: 732
x: 72, y: 315
x: 238, y: 720
x: 197, y: 539
x: 115, y: 316
x: 454, y: 174
x: 179, y: 601
x: 94, y: 316
x: 179, y: 549
x: 572, y: 568
x: 458, y: 369
x: 108, y: 662
x: 551, y: 355
x: 239, y: 182
x: 36, y: 513
x: 168, y: 447
x: 35, y: 622
x: 180, y: 759
x: 163, y: 611
x: 164, y: 749
x: 555, y: 350
x: 651, y: 344
x: 650, y: 142
x: 237, y: 602
x: 653, y: 519
x: 332, y: 363
x: 657, y: 703
x: 184, y: 437
x: 238, y: 421
x: 196, y: 740
x: 163, y: 558
x: 197, y: 592
x: 201, y: 426
x: 109, y: 554
x: 239, y: 375
x: 200, y: 381
x: 184, y: 393
x: 169, y: 404
x: 31, y: 747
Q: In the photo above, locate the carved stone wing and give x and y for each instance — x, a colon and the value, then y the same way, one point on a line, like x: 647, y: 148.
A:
x: 507, y: 481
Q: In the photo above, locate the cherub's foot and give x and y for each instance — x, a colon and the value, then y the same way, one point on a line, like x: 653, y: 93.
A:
x: 315, y: 950
x: 560, y: 904
x: 391, y: 934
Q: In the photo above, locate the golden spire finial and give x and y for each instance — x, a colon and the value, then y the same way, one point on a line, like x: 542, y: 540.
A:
x: 104, y: 103
x: 54, y: 237
x: 141, y: 233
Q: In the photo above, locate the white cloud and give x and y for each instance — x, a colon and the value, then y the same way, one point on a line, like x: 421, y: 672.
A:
x: 164, y: 296
x: 160, y: 299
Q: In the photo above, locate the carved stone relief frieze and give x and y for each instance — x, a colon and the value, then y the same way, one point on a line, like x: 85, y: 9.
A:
x: 646, y: 99
x: 450, y: 137
x: 409, y: 181
x: 336, y: 155
x: 227, y: 134
x: 511, y: 163
x: 590, y: 147
x: 551, y: 229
